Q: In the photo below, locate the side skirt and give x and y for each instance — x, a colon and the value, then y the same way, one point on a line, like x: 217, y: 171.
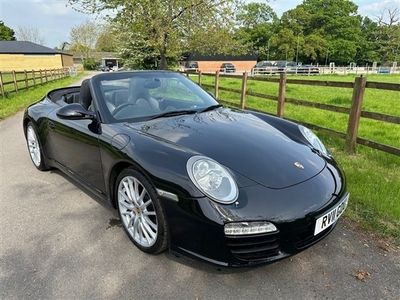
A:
x: 93, y: 192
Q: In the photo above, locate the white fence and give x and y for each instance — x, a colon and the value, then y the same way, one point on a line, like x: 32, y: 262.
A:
x: 321, y: 70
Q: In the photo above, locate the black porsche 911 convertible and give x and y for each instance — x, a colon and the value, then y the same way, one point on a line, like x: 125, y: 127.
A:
x: 232, y: 187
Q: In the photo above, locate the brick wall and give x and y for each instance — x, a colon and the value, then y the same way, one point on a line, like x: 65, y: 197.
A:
x: 212, y: 66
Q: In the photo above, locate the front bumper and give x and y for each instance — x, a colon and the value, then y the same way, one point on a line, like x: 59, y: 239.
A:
x: 197, y: 225
x: 247, y: 251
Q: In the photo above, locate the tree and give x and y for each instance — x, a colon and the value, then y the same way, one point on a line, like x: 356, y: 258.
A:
x: 107, y: 40
x: 327, y: 26
x: 6, y: 33
x: 30, y: 34
x: 84, y: 37
x: 284, y: 44
x: 159, y: 29
x: 252, y: 15
x: 369, y: 43
x: 215, y: 40
x: 256, y: 26
x: 388, y: 35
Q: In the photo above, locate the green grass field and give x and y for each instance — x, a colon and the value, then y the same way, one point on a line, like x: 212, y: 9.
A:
x: 17, y: 101
x: 373, y: 176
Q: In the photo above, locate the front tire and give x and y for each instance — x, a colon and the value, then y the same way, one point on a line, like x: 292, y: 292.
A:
x: 140, y: 211
x: 34, y: 148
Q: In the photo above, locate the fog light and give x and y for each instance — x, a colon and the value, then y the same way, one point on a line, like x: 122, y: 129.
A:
x: 245, y: 228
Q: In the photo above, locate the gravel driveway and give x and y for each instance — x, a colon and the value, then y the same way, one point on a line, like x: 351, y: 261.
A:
x: 57, y: 241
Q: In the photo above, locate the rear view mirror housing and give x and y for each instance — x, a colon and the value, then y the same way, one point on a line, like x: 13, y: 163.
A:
x: 75, y: 111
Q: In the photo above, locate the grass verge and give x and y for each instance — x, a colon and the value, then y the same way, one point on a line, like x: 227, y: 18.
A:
x: 373, y: 180
x: 17, y: 101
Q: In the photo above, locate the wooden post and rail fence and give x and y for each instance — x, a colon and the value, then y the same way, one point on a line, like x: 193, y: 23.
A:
x: 355, y: 111
x: 15, y: 81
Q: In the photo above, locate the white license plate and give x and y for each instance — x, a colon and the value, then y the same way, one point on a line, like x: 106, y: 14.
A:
x: 331, y: 216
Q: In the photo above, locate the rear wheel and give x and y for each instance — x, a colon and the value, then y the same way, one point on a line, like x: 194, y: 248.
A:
x: 140, y: 211
x: 34, y: 148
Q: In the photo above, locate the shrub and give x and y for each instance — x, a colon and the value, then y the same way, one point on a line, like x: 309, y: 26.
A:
x: 89, y: 64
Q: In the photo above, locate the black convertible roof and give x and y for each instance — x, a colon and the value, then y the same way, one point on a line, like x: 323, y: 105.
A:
x: 24, y: 47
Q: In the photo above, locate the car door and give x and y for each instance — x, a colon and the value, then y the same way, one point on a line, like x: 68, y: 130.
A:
x: 74, y: 144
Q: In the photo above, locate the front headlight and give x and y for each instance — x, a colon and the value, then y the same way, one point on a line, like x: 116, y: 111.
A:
x: 212, y: 179
x: 313, y: 139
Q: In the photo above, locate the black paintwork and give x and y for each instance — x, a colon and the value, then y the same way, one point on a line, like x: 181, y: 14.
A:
x: 259, y: 149
x: 75, y: 111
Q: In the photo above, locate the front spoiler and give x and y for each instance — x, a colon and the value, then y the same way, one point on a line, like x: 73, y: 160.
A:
x: 177, y: 251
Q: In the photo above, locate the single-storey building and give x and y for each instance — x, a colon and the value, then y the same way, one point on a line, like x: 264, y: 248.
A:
x: 110, y: 61
x: 212, y: 63
x: 22, y: 55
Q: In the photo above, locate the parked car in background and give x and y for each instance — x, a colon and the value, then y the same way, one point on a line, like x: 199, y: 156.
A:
x: 103, y: 68
x: 284, y: 66
x: 192, y: 66
x: 264, y: 67
x: 227, y: 68
x: 384, y: 70
x: 307, y: 69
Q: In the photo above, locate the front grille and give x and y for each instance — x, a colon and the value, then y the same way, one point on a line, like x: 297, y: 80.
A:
x: 254, y: 247
x: 306, y: 238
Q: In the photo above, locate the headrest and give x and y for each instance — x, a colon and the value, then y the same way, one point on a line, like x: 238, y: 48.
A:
x: 85, y: 97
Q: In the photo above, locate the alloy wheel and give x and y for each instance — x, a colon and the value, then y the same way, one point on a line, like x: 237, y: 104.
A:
x: 33, y: 145
x: 137, y: 211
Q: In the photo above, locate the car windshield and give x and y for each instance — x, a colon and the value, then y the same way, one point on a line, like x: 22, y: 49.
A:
x: 148, y: 95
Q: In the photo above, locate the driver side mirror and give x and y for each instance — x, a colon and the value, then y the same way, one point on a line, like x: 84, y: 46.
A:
x: 75, y: 111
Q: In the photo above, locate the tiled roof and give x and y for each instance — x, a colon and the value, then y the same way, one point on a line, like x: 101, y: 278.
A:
x: 24, y: 47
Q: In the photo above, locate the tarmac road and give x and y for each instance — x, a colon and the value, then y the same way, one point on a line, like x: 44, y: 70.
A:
x: 58, y: 242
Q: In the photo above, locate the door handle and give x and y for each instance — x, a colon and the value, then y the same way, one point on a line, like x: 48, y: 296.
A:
x: 52, y: 125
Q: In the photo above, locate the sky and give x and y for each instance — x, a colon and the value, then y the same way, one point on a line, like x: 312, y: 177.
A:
x: 54, y: 18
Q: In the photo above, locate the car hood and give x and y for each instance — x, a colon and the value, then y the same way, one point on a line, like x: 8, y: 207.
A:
x: 243, y: 143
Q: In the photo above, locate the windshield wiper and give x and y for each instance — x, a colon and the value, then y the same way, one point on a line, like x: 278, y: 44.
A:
x: 210, y: 108
x: 184, y: 112
x: 173, y: 113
